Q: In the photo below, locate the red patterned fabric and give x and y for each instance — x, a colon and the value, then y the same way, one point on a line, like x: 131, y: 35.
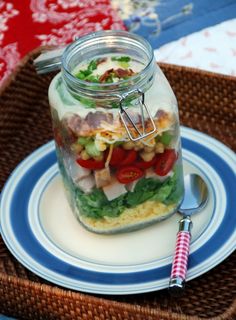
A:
x: 27, y: 24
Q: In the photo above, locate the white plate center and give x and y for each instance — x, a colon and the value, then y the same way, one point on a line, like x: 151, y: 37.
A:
x: 157, y: 242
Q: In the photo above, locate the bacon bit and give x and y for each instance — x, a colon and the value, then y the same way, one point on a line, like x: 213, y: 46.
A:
x: 101, y: 60
x: 131, y: 72
x: 119, y: 73
x: 95, y: 119
x: 72, y: 125
x: 122, y: 73
x: 105, y: 75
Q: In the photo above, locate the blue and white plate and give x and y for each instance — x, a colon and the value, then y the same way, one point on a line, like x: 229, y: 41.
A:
x: 40, y: 230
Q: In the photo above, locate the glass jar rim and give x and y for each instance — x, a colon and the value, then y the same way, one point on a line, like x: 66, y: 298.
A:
x: 107, y: 33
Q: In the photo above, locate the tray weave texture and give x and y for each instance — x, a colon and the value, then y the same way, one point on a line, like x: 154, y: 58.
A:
x: 207, y: 102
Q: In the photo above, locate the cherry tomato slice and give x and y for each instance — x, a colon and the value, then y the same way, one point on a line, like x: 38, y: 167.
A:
x: 91, y: 164
x: 118, y: 155
x: 145, y: 164
x: 165, y: 162
x: 130, y: 157
x: 128, y: 174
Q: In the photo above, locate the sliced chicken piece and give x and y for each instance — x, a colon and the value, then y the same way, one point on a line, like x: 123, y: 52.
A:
x: 86, y: 184
x: 102, y: 177
x: 77, y: 172
x: 114, y: 190
x: 73, y: 169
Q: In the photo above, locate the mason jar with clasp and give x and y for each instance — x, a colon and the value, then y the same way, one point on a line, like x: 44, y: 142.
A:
x: 116, y: 128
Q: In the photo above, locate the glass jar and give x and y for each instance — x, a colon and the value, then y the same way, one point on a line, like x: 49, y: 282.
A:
x: 116, y: 128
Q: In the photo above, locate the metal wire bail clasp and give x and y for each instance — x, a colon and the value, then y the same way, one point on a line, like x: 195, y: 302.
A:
x: 143, y: 128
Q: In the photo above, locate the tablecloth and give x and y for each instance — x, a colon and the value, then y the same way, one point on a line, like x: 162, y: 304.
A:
x: 212, y: 49
x: 27, y: 24
x: 199, y: 34
x: 163, y: 21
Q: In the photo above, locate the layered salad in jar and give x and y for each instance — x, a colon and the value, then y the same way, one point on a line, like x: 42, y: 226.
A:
x: 115, y: 184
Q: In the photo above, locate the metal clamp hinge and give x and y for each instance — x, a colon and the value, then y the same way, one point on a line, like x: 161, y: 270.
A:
x: 139, y: 131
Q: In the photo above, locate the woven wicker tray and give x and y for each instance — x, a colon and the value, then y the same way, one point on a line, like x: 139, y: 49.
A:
x: 207, y: 102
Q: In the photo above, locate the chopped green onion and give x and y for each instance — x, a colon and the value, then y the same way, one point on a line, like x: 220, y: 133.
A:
x: 92, y: 150
x: 92, y: 78
x: 82, y: 74
x: 121, y: 59
x: 84, y: 140
x: 165, y: 138
x: 92, y: 65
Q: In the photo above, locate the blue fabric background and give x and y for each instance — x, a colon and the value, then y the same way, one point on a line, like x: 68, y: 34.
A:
x: 162, y: 21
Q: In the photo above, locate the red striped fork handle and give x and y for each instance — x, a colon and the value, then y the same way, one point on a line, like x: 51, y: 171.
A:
x: 180, y: 260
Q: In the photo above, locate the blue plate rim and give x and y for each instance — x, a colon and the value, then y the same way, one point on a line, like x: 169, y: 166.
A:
x: 152, y: 285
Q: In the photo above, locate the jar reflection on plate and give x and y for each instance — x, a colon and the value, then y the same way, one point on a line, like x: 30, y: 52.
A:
x: 116, y: 128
